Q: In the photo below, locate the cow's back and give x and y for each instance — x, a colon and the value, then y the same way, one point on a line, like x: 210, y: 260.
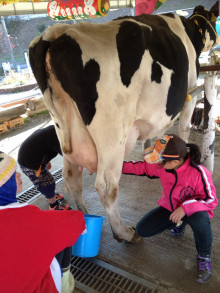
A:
x: 106, y: 56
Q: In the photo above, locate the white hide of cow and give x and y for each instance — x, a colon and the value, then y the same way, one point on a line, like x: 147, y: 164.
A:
x: 123, y: 113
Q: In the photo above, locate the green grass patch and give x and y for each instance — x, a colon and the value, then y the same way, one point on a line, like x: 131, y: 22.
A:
x: 27, y: 120
x: 40, y: 113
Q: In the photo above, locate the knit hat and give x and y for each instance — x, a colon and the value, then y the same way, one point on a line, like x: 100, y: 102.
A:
x: 7, y: 168
x: 8, y: 186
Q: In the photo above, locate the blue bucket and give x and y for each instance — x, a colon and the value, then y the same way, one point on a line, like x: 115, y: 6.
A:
x: 87, y: 244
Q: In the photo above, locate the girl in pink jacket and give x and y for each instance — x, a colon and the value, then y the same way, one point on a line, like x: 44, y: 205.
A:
x: 188, y: 195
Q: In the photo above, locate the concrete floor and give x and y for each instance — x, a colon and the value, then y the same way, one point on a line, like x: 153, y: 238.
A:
x: 162, y: 259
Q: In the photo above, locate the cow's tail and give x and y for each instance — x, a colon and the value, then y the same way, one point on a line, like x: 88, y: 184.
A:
x: 37, y: 55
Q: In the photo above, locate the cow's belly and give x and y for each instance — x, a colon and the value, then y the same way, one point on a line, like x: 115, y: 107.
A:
x: 142, y: 130
x: 149, y: 129
x: 155, y: 124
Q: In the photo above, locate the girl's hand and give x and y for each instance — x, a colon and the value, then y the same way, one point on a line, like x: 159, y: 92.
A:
x: 177, y: 215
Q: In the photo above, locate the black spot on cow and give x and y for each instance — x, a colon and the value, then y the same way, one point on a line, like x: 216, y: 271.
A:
x: 171, y: 15
x: 130, y: 47
x: 212, y: 146
x: 51, y: 92
x: 37, y: 54
x: 165, y: 48
x: 77, y: 80
x: 57, y: 125
x: 156, y: 73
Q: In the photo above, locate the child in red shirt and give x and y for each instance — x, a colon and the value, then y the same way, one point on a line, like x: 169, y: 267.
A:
x: 30, y: 241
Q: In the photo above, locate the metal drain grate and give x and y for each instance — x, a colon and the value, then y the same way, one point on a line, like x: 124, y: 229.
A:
x: 94, y: 275
x: 31, y: 193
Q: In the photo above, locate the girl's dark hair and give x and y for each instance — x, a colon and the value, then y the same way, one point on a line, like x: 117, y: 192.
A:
x: 177, y: 146
x: 194, y: 152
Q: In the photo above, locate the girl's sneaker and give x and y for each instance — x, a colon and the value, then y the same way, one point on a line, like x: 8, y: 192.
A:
x: 60, y: 197
x: 179, y: 230
x: 204, y: 269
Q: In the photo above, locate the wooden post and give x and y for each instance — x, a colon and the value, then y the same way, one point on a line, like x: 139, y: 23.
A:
x: 210, y: 82
x: 36, y: 104
x: 12, y: 112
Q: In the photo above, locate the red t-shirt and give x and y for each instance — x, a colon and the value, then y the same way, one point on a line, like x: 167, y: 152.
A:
x: 29, y: 240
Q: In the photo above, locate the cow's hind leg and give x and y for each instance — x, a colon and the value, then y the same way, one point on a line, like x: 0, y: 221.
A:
x: 107, y: 188
x: 73, y: 184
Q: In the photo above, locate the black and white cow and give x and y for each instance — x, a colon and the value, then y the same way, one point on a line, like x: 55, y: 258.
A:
x: 107, y: 85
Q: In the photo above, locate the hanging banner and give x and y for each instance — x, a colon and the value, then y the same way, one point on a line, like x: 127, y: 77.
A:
x: 77, y: 9
x: 147, y: 6
x: 5, y: 2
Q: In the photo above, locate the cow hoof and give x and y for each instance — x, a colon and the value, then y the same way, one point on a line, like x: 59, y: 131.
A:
x: 117, y: 238
x: 82, y: 209
x: 136, y: 238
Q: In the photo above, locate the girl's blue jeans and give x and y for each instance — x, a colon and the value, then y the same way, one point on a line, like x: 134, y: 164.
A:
x: 157, y: 221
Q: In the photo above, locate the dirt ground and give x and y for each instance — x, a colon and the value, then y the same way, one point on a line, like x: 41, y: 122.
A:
x: 164, y: 260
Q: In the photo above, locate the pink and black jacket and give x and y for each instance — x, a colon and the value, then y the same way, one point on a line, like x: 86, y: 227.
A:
x: 190, y: 187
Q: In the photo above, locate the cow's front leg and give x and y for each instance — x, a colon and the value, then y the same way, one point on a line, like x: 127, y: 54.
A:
x: 72, y: 177
x: 108, y: 193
